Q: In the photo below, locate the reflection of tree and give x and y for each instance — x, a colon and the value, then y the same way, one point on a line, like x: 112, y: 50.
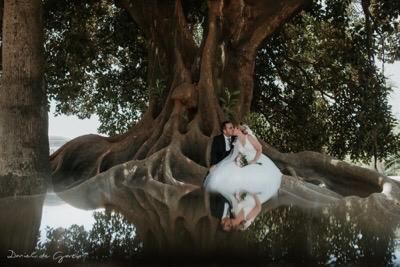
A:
x: 112, y: 237
x: 350, y: 231
x: 324, y: 237
x: 73, y: 240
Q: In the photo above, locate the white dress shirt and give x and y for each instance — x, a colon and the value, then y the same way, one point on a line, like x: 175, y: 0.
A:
x: 226, y: 213
x: 227, y: 142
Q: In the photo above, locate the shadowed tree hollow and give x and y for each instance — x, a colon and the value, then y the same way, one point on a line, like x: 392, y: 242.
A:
x: 166, y: 155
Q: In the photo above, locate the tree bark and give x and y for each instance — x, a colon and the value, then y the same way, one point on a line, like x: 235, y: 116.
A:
x: 24, y: 146
x: 24, y: 152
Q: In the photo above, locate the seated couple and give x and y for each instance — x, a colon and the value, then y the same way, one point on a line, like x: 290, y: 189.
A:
x: 241, y: 178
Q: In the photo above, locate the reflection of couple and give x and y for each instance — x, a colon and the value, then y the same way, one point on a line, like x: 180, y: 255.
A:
x: 241, y: 178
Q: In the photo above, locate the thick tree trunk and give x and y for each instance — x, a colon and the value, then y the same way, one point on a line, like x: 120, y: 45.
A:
x: 24, y: 163
x: 24, y: 146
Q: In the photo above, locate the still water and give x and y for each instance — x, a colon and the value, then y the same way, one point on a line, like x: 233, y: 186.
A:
x: 283, y: 235
x: 351, y: 232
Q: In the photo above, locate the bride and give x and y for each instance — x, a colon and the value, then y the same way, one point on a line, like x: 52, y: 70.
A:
x: 246, y: 178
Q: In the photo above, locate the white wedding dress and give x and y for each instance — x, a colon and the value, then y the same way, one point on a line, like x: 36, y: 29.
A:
x: 227, y: 178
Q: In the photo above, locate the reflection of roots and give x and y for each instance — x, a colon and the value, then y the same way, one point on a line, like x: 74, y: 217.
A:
x: 174, y: 219
x: 166, y: 216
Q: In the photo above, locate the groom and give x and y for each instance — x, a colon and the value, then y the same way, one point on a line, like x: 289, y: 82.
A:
x: 221, y: 147
x: 222, y: 144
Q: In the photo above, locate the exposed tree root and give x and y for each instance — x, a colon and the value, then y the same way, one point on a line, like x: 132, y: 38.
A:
x: 183, y: 158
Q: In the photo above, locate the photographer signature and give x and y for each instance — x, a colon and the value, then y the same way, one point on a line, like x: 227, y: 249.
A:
x: 57, y: 256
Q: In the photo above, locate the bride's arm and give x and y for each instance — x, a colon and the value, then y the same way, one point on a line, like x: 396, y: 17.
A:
x: 257, y: 146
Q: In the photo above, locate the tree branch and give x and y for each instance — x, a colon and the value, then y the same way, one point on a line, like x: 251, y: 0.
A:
x: 246, y: 25
x: 209, y: 50
x: 271, y: 16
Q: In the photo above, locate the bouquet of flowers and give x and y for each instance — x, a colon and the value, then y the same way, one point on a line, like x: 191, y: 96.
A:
x: 242, y: 161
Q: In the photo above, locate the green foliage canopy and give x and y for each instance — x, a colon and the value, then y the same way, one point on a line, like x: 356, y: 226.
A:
x: 96, y: 62
x: 319, y: 90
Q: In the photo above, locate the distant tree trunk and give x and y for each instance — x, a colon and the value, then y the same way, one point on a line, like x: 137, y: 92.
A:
x: 24, y: 144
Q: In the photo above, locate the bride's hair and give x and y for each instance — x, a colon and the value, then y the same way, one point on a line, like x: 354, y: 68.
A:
x: 243, y: 128
x: 246, y: 129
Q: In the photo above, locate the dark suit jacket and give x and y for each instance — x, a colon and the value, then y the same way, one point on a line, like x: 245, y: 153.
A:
x: 218, y: 150
x: 217, y: 205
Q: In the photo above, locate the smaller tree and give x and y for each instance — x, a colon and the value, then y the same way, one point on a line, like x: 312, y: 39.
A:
x: 24, y: 145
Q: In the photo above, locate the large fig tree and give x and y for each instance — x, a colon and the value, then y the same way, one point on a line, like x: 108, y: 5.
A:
x: 153, y: 172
